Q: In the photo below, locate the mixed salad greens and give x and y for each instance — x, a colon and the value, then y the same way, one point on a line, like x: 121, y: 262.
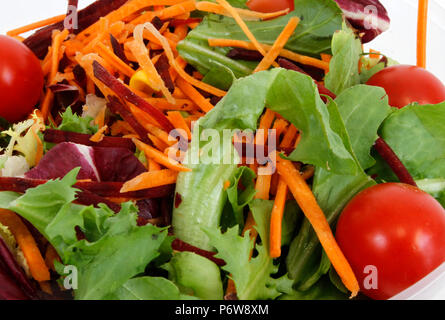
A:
x: 184, y: 239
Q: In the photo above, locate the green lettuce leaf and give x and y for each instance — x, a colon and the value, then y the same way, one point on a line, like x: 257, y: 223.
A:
x: 195, y: 276
x: 113, y: 240
x: 73, y: 123
x: 417, y: 136
x: 343, y: 68
x: 252, y: 276
x: 319, y: 20
x: 147, y: 288
x: 362, y: 110
x: 240, y: 199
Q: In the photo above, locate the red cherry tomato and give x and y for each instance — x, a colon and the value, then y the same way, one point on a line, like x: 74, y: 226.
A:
x: 406, y: 84
x: 21, y: 79
x: 396, y: 228
x: 270, y: 5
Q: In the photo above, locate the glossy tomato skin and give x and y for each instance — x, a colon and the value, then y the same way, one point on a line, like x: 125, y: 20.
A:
x: 405, y: 84
x: 270, y: 5
x: 397, y: 228
x: 21, y: 79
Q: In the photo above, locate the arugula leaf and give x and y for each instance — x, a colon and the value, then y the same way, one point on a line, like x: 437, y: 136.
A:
x: 252, y: 276
x: 343, y: 68
x: 148, y: 288
x: 362, y: 110
x: 73, y: 123
x: 417, y: 137
x: 319, y: 20
x: 295, y: 97
x: 113, y: 240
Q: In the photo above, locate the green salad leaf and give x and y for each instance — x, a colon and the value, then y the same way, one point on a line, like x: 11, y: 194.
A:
x: 74, y: 123
x: 148, y: 288
x: 112, y: 241
x: 343, y: 68
x: 362, y: 109
x: 252, y: 276
x: 417, y: 136
x: 319, y: 20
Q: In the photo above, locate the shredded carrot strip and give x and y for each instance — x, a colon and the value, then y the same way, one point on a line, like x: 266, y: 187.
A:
x: 126, y: 10
x: 265, y: 124
x: 178, y: 69
x: 99, y: 36
x: 163, y: 104
x: 308, y: 204
x: 422, y: 24
x: 279, y: 126
x: 158, y: 143
x: 39, y: 151
x: 100, y: 118
x: 289, y: 137
x: 99, y: 135
x: 46, y: 103
x: 326, y: 57
x: 50, y: 256
x: 242, y: 25
x: 27, y: 244
x: 159, y: 157
x: 194, y: 95
x: 147, y: 16
x: 284, y: 52
x: 177, y: 10
x: 139, y: 50
x: 143, y: 117
x: 59, y: 37
x: 114, y: 60
x: 178, y: 121
x: 277, y: 219
x: 86, y: 62
x: 279, y: 44
x: 245, y: 14
x: 153, y: 165
x: 181, y: 31
x: 149, y: 180
x: 36, y: 25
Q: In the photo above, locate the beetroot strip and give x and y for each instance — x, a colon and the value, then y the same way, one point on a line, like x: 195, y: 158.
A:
x: 163, y: 68
x: 16, y: 271
x: 182, y: 246
x: 180, y: 22
x: 244, y: 54
x: 394, y: 162
x: 59, y: 136
x: 118, y: 49
x: 40, y: 40
x: 117, y: 107
x: 126, y: 94
x: 9, y: 289
x: 89, y: 198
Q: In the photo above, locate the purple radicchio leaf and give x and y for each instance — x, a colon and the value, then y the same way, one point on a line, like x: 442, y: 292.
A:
x: 97, y: 164
x: 63, y: 158
x: 369, y: 17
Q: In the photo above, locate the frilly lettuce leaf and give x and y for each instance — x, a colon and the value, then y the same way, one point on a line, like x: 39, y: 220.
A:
x: 74, y: 123
x: 252, y: 276
x: 113, y: 241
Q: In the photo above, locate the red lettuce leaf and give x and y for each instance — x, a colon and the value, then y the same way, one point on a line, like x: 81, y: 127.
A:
x: 369, y: 17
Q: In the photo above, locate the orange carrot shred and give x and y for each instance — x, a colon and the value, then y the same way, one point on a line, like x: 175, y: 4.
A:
x: 36, y: 25
x: 277, y: 218
x: 159, y: 157
x: 265, y: 124
x: 279, y: 44
x: 27, y: 244
x: 178, y: 121
x: 149, y: 180
x: 99, y: 135
x: 194, y: 95
x: 308, y: 204
x: 422, y: 24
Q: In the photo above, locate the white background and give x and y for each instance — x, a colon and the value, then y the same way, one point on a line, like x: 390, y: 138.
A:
x: 399, y: 42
